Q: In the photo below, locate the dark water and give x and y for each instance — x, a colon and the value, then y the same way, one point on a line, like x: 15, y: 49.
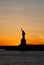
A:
x: 21, y: 57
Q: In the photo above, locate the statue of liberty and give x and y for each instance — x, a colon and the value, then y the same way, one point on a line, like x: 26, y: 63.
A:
x: 23, y: 40
x: 23, y: 33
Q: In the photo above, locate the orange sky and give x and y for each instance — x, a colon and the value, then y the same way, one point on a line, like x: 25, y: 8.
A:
x: 28, y: 14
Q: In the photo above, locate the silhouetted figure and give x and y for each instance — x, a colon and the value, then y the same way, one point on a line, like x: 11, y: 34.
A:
x: 23, y: 33
x: 23, y: 40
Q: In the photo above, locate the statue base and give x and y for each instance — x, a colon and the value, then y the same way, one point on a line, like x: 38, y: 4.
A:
x: 23, y: 43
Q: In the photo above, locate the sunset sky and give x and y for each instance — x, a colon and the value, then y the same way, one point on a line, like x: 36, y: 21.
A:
x: 28, y: 14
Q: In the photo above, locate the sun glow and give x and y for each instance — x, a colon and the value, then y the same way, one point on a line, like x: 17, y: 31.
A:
x: 28, y: 14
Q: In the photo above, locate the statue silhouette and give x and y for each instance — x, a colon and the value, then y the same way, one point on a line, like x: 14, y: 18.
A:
x: 23, y: 33
x: 23, y: 40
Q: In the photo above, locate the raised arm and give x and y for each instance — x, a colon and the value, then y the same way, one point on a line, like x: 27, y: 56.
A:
x: 21, y: 29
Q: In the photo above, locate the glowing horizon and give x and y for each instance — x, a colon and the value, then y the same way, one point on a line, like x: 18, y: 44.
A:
x: 28, y: 14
